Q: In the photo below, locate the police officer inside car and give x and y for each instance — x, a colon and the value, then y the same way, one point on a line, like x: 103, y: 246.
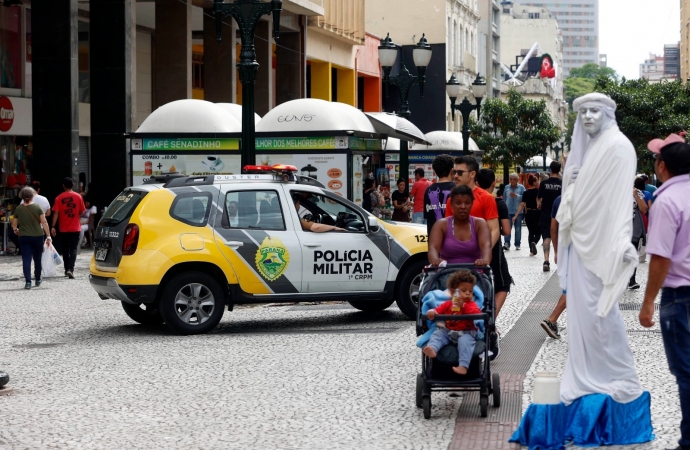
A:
x: 313, y: 226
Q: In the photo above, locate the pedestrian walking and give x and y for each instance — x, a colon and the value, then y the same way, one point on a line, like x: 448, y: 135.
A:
x: 528, y: 206
x: 512, y: 195
x: 549, y: 189
x: 639, y: 234
x: 437, y: 194
x: 669, y: 268
x: 67, y: 210
x: 417, y: 195
x: 550, y: 324
x: 30, y: 225
x: 39, y: 199
x: 486, y: 179
x: 400, y: 200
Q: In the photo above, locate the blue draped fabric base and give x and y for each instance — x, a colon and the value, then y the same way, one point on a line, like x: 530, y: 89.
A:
x: 590, y: 421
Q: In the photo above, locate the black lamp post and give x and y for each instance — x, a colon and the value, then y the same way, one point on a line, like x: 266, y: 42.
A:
x: 465, y: 107
x: 421, y: 54
x: 247, y: 14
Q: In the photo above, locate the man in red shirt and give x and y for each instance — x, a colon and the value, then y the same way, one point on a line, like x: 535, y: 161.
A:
x: 67, y: 210
x: 484, y: 206
x: 417, y: 195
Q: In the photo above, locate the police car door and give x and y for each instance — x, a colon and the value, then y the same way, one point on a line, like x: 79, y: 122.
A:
x: 257, y: 236
x: 339, y: 261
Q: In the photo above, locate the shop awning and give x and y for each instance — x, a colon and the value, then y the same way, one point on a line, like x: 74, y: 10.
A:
x: 236, y: 111
x: 396, y: 127
x: 190, y: 116
x: 313, y: 115
x: 446, y: 140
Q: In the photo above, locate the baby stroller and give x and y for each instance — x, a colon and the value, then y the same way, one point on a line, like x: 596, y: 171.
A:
x: 437, y: 374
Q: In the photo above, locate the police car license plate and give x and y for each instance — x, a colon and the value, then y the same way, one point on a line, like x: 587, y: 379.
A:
x: 101, y: 253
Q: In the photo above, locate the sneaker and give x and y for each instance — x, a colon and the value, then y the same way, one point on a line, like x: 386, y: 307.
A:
x: 69, y: 274
x: 27, y: 285
x: 634, y: 285
x: 517, y: 247
x: 547, y: 266
x: 550, y: 328
x: 506, y: 247
x: 38, y: 282
x: 494, y: 347
x: 533, y: 248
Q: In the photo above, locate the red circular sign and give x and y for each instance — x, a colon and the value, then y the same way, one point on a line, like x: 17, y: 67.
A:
x: 6, y: 114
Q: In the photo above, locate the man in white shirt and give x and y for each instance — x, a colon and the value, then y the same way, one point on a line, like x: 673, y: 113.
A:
x: 39, y: 199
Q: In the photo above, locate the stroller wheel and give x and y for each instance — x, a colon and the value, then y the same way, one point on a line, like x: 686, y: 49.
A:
x: 426, y: 404
x: 419, y: 390
x: 484, y: 405
x: 496, y: 389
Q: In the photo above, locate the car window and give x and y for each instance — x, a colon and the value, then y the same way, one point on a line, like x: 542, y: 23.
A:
x: 259, y: 210
x: 192, y: 209
x: 326, y: 210
x: 122, y: 207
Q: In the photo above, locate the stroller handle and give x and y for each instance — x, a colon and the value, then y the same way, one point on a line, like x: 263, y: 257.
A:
x: 457, y: 266
x: 482, y: 316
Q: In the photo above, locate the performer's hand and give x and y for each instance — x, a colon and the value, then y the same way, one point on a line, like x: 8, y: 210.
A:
x: 575, y: 173
x: 646, y: 314
x: 431, y: 314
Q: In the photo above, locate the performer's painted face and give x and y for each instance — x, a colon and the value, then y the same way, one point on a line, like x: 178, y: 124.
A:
x: 593, y: 119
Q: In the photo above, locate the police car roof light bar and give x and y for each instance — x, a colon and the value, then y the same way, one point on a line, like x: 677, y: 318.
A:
x: 277, y: 168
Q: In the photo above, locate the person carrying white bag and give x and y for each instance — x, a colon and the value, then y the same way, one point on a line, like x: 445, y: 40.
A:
x: 30, y: 225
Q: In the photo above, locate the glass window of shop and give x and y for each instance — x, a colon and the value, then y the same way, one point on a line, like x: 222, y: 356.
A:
x: 11, y: 48
x: 84, y: 64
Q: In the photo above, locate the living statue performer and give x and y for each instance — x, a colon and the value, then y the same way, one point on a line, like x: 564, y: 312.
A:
x: 602, y: 399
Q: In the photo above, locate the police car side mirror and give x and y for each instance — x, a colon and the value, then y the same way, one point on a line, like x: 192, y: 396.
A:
x: 373, y: 224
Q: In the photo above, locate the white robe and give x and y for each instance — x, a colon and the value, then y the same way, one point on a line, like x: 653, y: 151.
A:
x: 595, y: 265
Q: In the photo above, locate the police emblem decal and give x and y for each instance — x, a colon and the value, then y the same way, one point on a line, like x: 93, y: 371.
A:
x: 272, y: 258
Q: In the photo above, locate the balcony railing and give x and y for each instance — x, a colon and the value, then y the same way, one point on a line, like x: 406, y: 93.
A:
x: 344, y: 18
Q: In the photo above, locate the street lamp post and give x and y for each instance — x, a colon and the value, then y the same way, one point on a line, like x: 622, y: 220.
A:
x: 465, y: 107
x: 421, y: 54
x: 247, y: 14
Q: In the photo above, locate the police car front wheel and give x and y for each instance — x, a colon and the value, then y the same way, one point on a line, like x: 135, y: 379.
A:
x: 192, y: 303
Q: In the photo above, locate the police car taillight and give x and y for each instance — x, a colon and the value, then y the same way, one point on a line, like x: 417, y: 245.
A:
x: 129, y: 246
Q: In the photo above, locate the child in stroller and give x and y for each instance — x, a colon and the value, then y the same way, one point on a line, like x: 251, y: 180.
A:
x: 461, y: 285
x: 439, y: 373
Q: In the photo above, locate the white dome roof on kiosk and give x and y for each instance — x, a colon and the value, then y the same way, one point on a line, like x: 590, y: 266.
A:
x: 310, y: 114
x: 236, y: 111
x: 190, y: 116
x: 445, y: 140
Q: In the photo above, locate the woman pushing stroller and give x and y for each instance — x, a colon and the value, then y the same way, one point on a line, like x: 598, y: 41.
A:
x: 461, y: 286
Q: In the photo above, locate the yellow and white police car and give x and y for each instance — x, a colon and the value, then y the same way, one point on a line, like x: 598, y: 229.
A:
x: 181, y: 252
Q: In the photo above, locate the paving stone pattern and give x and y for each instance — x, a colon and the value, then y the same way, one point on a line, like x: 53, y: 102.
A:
x: 268, y: 377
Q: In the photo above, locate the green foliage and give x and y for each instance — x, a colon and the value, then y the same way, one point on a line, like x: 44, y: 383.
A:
x: 514, y: 131
x: 577, y: 87
x: 593, y: 71
x: 648, y: 111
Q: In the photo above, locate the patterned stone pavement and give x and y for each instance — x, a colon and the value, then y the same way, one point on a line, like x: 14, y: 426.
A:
x: 85, y: 376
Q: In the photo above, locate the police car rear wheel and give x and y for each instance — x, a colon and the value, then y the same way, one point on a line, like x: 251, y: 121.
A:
x: 143, y: 314
x: 408, y: 289
x: 371, y: 305
x: 192, y: 303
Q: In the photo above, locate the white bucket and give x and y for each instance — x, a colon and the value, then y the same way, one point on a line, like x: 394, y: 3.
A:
x: 547, y: 389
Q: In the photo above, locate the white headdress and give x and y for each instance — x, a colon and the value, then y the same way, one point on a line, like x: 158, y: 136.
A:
x: 581, y: 139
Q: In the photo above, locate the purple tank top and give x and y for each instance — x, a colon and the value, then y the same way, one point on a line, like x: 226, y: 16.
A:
x: 455, y: 251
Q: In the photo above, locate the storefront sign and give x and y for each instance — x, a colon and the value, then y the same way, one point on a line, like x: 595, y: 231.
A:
x: 6, y: 114
x: 145, y: 166
x: 365, y: 144
x: 198, y: 144
x: 330, y: 170
x: 315, y: 143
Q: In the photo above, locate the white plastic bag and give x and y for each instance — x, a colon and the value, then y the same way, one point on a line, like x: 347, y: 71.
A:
x: 47, y: 263
x: 57, y: 260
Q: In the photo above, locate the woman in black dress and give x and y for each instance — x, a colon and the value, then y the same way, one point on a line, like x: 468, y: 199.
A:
x: 532, y: 214
x: 401, y: 205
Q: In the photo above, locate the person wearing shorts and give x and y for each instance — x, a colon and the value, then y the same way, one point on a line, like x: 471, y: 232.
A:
x: 549, y: 190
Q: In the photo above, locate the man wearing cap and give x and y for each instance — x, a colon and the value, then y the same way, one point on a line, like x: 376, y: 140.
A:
x: 668, y: 241
x: 596, y: 260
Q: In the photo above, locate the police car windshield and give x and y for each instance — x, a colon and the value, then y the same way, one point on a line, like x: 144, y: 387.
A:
x: 122, y: 207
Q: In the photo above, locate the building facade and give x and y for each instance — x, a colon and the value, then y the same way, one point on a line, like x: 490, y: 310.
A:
x: 652, y: 69
x: 579, y: 23
x: 450, y: 27
x: 521, y: 28
x: 489, y: 55
x: 672, y: 61
x: 685, y: 39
